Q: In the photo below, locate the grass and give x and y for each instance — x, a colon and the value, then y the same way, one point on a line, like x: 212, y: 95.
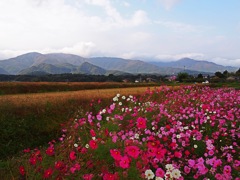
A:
x: 31, y: 120
x: 42, y: 87
x: 235, y: 84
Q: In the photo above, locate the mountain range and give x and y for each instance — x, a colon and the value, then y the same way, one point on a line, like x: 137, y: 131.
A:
x: 59, y: 63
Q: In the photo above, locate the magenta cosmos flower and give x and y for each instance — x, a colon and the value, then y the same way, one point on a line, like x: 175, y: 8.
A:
x: 141, y: 123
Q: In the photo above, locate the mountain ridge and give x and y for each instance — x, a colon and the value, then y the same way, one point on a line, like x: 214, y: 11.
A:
x: 55, y: 63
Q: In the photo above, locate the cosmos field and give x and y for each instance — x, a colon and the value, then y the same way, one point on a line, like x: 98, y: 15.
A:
x: 190, y: 132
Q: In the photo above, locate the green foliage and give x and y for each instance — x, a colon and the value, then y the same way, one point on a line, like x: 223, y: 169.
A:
x: 182, y: 76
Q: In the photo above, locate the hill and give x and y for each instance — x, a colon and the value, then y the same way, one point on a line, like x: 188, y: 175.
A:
x: 195, y: 65
x: 58, y: 63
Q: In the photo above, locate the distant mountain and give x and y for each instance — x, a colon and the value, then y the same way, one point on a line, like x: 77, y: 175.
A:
x: 60, y: 58
x: 14, y: 65
x: 84, y: 68
x: 2, y: 71
x: 46, y: 68
x: 59, y: 63
x: 17, y: 64
x: 195, y: 65
x: 87, y: 68
x: 130, y: 66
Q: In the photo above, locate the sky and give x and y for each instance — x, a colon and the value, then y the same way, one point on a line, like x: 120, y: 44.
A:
x: 160, y: 30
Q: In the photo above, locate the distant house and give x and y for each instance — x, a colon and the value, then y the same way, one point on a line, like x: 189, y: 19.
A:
x: 171, y: 78
x: 126, y: 80
x: 151, y: 80
x: 231, y: 78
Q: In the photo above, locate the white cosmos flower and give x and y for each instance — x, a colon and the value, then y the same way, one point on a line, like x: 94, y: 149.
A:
x: 123, y: 97
x: 149, y: 174
x: 87, y: 146
x: 136, y: 136
x: 169, y: 167
x: 76, y: 145
x: 115, y: 99
x: 118, y: 95
x: 176, y: 173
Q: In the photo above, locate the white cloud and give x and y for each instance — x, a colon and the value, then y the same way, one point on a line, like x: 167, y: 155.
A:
x: 168, y: 4
x: 53, y: 24
x: 226, y: 61
x: 81, y: 48
x: 84, y: 49
x: 116, y: 19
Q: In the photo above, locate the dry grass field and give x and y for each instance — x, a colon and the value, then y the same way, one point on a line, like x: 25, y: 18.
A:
x: 32, y: 119
x: 19, y: 100
x: 41, y: 87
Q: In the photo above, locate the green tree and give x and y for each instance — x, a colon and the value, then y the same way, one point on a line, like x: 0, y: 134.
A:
x: 238, y: 72
x: 181, y: 76
x: 225, y: 73
x: 219, y: 74
x: 200, y: 76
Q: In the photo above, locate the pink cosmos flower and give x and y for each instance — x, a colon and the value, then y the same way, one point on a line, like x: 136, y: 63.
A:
x: 160, y: 153
x: 124, y: 162
x: 93, y: 144
x: 132, y: 151
x: 110, y: 176
x: 159, y: 173
x: 72, y: 155
x: 50, y: 151
x: 112, y: 106
x: 88, y: 176
x: 92, y: 132
x: 33, y: 160
x: 114, y: 138
x: 218, y: 176
x: 59, y: 165
x: 47, y: 173
x: 115, y: 154
x: 22, y: 170
x: 191, y: 162
x: 177, y: 154
x: 211, y: 152
x: 99, y: 117
x: 187, y: 169
x: 76, y: 167
x: 227, y: 169
x: 141, y: 123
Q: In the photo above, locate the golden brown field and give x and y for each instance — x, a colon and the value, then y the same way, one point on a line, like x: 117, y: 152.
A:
x: 41, y: 87
x: 20, y: 100
x: 33, y: 119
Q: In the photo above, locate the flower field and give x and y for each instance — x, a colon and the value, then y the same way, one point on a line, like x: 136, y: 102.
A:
x: 186, y: 133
